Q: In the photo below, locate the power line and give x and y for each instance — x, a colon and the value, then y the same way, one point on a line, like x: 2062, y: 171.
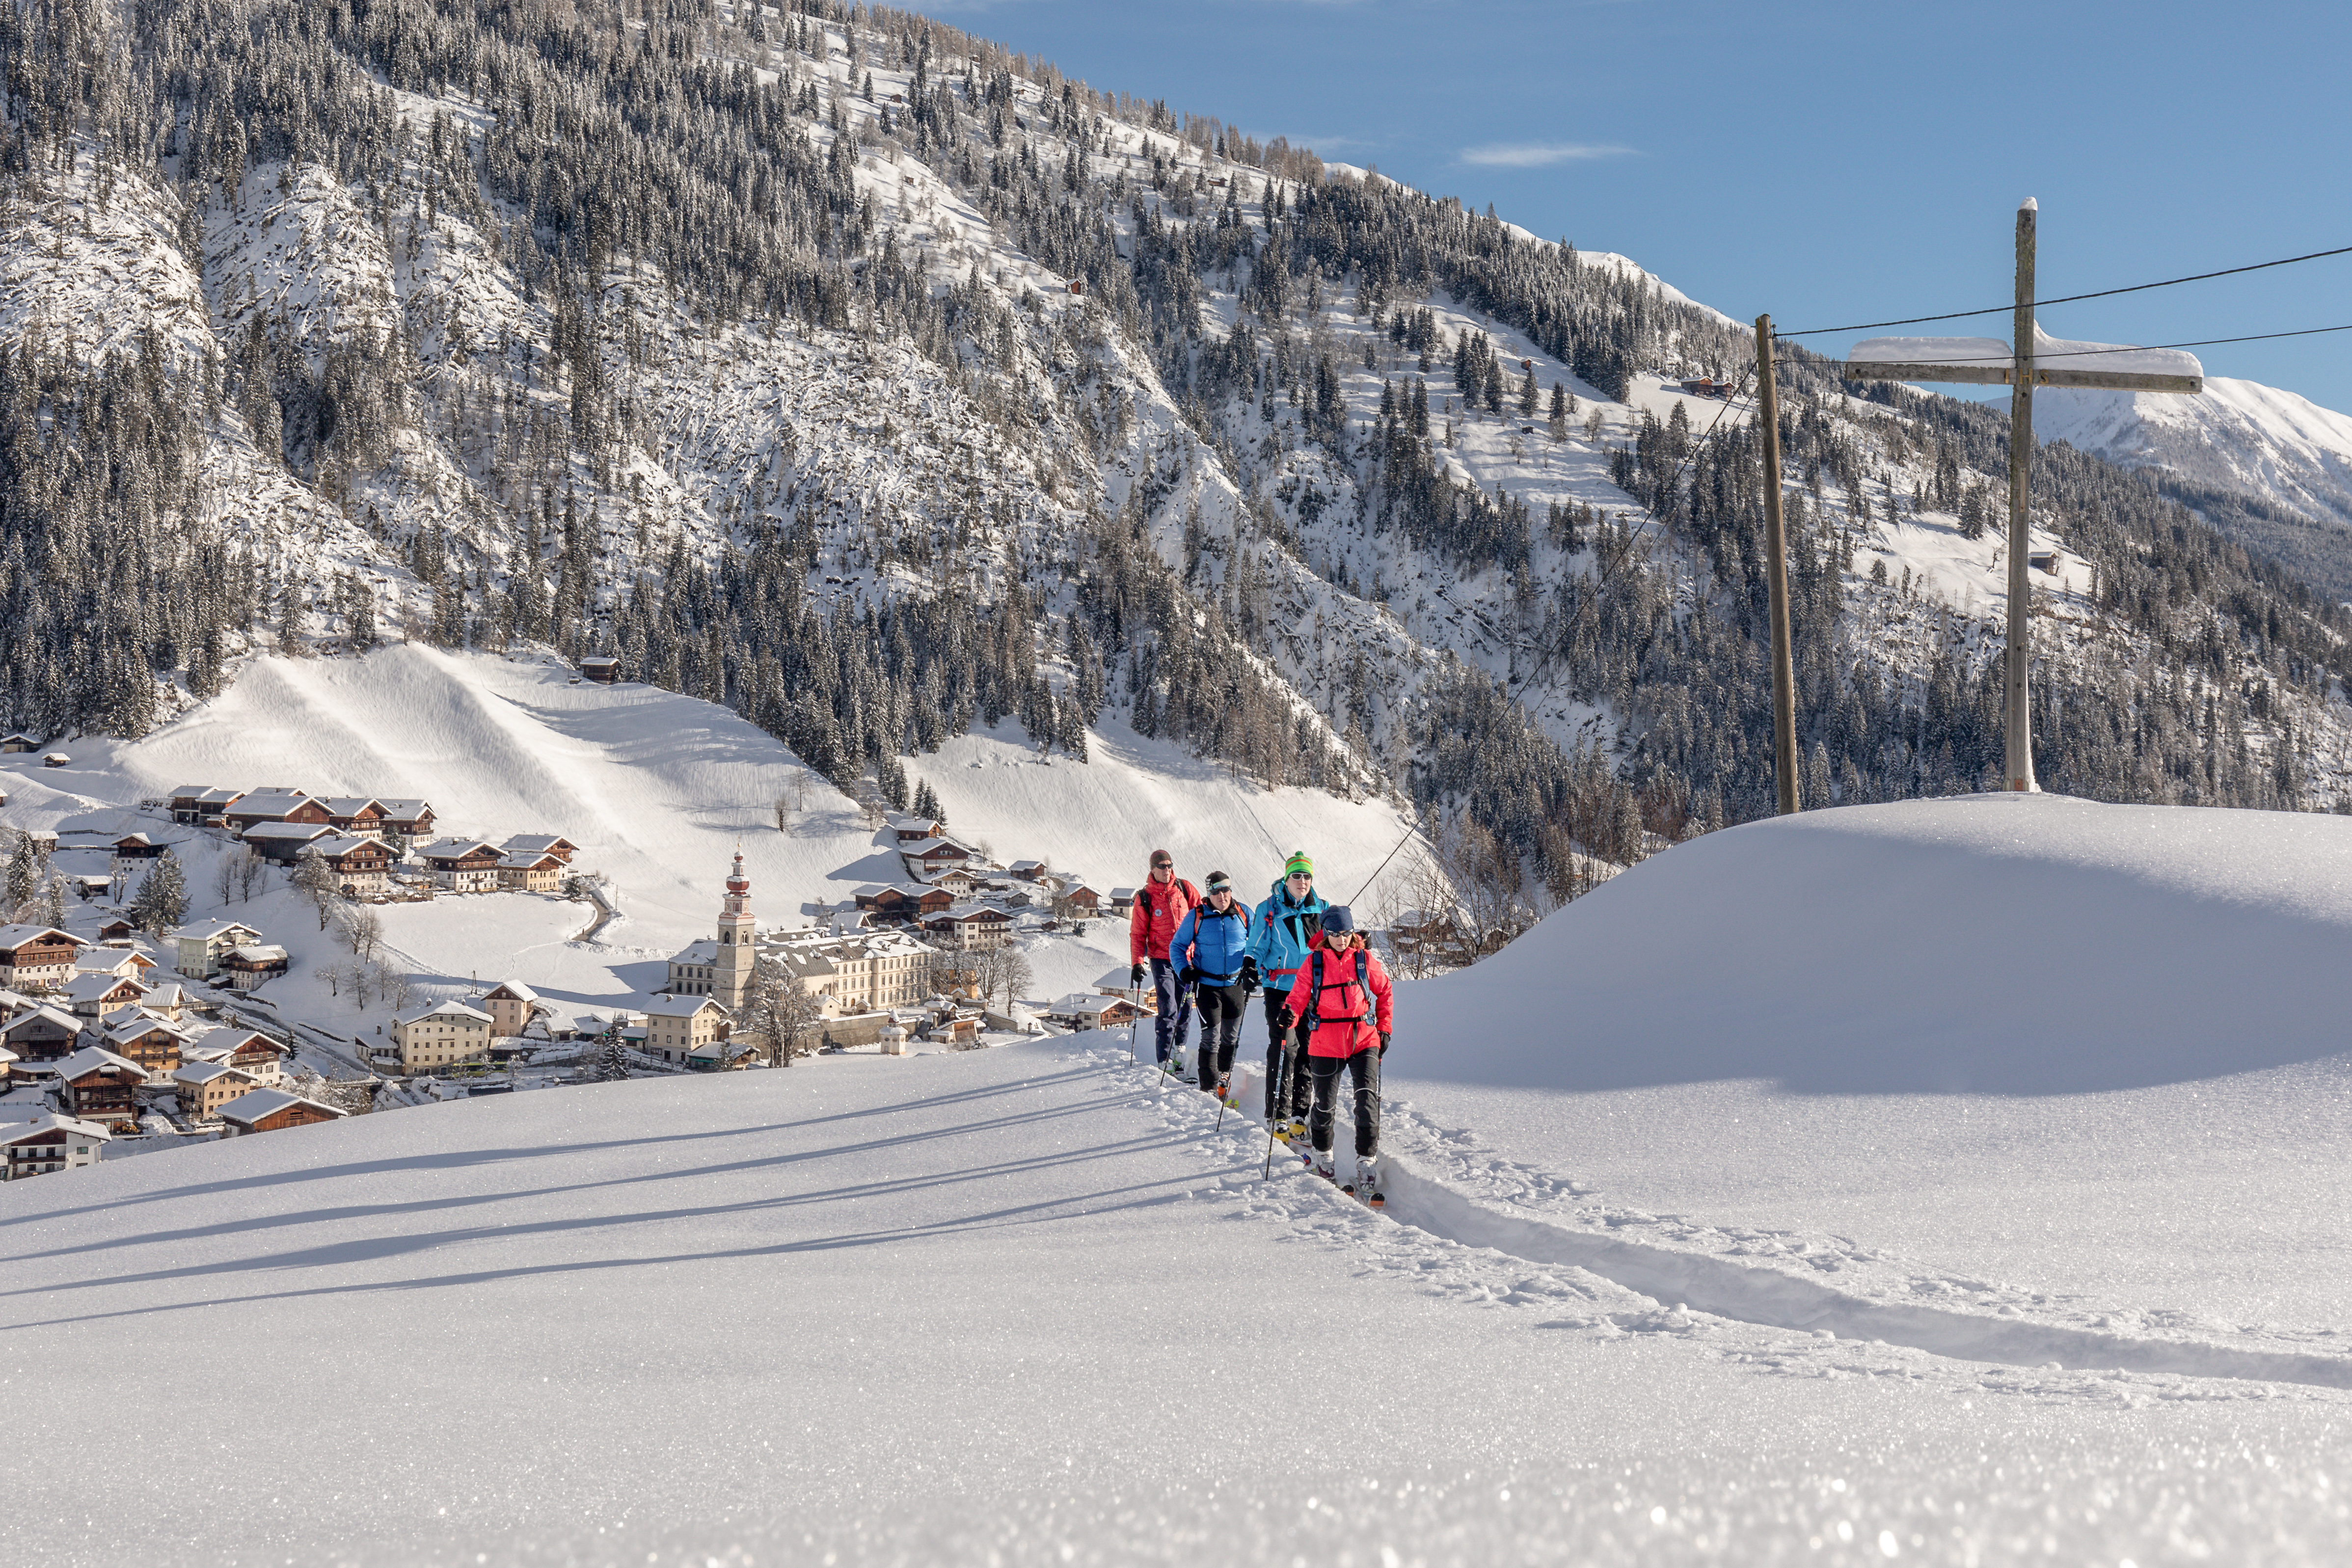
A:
x: 2040, y: 358
x: 2073, y: 298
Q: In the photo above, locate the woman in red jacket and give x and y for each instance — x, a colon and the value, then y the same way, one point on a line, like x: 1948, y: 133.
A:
x: 1343, y: 993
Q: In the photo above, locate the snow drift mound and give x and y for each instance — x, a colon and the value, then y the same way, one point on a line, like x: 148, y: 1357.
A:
x: 1996, y: 943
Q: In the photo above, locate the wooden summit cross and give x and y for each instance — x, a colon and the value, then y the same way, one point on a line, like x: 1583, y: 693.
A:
x: 2021, y: 368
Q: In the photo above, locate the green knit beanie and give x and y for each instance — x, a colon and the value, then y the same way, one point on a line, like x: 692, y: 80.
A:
x: 1298, y: 863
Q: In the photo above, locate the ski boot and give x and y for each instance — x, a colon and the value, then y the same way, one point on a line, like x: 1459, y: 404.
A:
x: 1368, y: 1182
x: 1319, y: 1161
x: 1298, y: 1133
x: 1174, y: 1065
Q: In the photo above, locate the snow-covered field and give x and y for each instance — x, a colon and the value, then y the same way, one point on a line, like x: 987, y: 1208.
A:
x: 1952, y: 1181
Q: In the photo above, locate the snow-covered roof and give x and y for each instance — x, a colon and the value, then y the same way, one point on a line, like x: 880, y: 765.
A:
x: 1079, y: 1004
x: 255, y: 1104
x: 203, y: 1072
x: 667, y: 1006
x: 43, y: 1014
x: 212, y: 931
x: 534, y: 843
x: 526, y: 859
x: 513, y: 988
x: 704, y: 950
x: 404, y: 810
x: 269, y: 954
x: 293, y: 832
x: 39, y: 1126
x: 456, y: 849
x: 273, y: 803
x: 16, y: 936
x: 337, y: 844
x: 91, y: 1058
x: 348, y: 805
x: 223, y: 1041
x: 452, y: 1008
x: 91, y: 988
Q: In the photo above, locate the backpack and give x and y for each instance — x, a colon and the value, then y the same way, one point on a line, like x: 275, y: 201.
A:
x: 1314, y: 1000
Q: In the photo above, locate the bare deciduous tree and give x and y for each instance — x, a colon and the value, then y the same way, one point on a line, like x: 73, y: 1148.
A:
x: 778, y: 1017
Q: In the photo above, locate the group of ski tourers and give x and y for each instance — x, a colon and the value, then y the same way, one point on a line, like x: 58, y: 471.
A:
x: 1326, y: 1001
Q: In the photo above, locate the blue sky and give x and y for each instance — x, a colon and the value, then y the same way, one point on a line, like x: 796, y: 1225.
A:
x: 1827, y: 162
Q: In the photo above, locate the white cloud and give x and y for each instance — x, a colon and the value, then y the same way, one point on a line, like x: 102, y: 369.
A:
x: 1539, y: 155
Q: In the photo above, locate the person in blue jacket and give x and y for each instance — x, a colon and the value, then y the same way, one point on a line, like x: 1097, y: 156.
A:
x: 1211, y: 948
x: 1292, y: 913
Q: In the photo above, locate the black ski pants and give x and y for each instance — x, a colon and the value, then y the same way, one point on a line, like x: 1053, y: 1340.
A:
x: 1364, y: 1066
x: 1221, y: 1031
x: 1285, y: 1056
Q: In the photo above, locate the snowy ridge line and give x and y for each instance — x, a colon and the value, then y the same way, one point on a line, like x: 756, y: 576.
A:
x: 1774, y: 1300
x: 1676, y: 1278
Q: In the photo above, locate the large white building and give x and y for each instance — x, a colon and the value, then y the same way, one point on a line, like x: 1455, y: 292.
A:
x: 862, y: 972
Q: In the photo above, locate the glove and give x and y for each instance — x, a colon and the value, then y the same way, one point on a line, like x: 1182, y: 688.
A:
x: 1249, y: 974
x: 1284, y: 1017
x: 1188, y: 977
x: 1385, y: 1042
x: 1135, y: 975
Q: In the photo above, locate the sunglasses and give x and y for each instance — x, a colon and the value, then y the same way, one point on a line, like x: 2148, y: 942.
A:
x: 1302, y: 876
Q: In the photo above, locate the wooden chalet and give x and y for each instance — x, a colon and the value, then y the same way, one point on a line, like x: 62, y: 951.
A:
x: 913, y: 829
x: 553, y: 844
x: 463, y: 865
x: 250, y: 1052
x: 354, y: 814
x: 254, y: 966
x: 362, y: 862
x: 135, y: 848
x: 282, y: 843
x: 201, y: 806
x: 405, y: 821
x: 934, y: 854
x: 273, y: 1110
x: 200, y: 945
x: 284, y: 805
x: 601, y: 667
x: 117, y: 930
x: 101, y: 1087
x: 44, y: 1034
x: 528, y: 873
x: 96, y: 995
x: 16, y: 741
x: 141, y: 1037
x: 971, y: 926
x: 1083, y: 900
x: 34, y: 957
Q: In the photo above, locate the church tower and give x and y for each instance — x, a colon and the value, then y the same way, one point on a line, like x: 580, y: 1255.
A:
x: 732, y: 971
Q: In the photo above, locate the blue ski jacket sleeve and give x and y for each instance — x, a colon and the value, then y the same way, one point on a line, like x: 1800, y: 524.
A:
x: 1279, y: 930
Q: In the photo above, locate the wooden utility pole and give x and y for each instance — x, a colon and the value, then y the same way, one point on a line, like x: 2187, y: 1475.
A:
x: 2016, y: 364
x: 1776, y: 572
x: 2017, y: 712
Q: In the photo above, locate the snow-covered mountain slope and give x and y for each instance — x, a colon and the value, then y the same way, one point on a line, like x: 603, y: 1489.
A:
x: 2238, y: 437
x: 2099, y: 1048
x: 1038, y: 1309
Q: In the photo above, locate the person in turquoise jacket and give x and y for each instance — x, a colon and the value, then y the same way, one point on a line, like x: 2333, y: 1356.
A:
x: 1210, y: 947
x: 1280, y: 929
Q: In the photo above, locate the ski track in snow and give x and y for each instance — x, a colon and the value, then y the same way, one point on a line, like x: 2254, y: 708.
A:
x: 1475, y: 1227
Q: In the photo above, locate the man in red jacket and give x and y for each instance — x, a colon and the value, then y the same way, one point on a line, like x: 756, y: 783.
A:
x: 1160, y: 906
x: 1343, y: 993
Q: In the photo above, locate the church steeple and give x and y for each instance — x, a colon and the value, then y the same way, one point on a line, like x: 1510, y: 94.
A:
x: 738, y: 950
